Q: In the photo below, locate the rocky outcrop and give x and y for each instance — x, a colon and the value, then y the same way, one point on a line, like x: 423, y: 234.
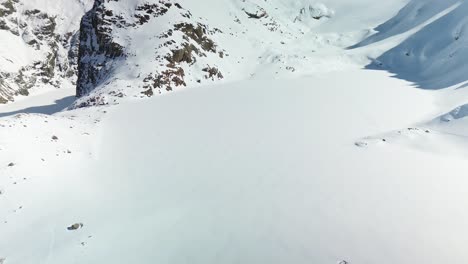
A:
x: 97, y: 50
x: 107, y: 44
x: 46, y: 55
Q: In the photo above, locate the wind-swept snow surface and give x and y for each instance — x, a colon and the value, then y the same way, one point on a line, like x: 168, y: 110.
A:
x: 242, y: 173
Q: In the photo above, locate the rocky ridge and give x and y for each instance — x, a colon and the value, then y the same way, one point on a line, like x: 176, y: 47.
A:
x: 139, y: 48
x: 45, y: 43
x: 142, y: 48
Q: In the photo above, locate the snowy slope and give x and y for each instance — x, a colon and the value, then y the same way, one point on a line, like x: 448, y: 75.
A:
x: 244, y: 172
x: 424, y: 44
x: 415, y: 13
x: 297, y: 155
x: 259, y: 184
x: 433, y: 57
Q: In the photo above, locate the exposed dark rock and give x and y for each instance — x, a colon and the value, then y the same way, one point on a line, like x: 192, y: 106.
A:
x: 100, y: 54
x: 167, y: 79
x: 212, y: 73
x: 38, y: 30
x: 97, y: 49
x: 146, y: 11
x: 75, y: 227
x: 8, y: 7
x: 183, y: 54
x: 259, y: 15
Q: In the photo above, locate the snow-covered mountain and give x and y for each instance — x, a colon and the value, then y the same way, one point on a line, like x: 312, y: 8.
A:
x: 434, y: 55
x: 39, y: 45
x: 141, y: 48
x: 316, y: 131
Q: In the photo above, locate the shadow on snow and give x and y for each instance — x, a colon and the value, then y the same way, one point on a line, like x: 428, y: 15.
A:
x: 58, y: 106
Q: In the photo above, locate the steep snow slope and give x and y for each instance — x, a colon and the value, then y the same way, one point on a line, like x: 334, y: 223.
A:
x: 38, y: 48
x: 426, y: 41
x: 244, y: 172
x: 433, y: 57
x: 415, y: 13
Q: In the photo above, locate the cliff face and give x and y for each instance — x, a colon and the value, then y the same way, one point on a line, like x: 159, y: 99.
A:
x: 39, y: 45
x: 97, y: 50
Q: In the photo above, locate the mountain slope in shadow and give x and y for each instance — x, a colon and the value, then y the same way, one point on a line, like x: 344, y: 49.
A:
x: 433, y: 57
